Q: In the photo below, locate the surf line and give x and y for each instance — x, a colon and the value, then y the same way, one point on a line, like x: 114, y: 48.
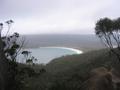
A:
x: 72, y: 49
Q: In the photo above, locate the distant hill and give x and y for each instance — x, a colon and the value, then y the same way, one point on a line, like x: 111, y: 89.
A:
x: 95, y: 58
x: 70, y: 72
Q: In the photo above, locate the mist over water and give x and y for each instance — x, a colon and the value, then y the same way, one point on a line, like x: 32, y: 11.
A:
x: 62, y: 40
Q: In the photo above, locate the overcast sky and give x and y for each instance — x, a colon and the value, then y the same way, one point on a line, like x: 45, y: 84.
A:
x: 57, y: 16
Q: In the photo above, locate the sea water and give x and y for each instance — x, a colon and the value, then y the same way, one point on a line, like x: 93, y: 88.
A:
x: 46, y: 54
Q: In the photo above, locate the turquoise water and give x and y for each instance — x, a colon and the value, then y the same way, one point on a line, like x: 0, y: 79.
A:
x: 46, y: 54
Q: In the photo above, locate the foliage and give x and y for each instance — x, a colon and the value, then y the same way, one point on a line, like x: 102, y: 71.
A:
x: 109, y: 32
x: 70, y: 72
x: 12, y: 46
x: 28, y: 57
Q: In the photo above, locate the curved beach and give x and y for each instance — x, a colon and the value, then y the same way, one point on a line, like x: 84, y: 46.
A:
x: 46, y: 54
x: 72, y: 49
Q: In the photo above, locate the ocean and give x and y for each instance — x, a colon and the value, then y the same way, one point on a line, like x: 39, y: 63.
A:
x: 48, y: 47
x: 45, y: 54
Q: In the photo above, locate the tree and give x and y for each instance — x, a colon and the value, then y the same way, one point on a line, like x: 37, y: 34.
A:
x: 4, y: 64
x: 9, y: 49
x: 109, y: 32
x: 28, y: 57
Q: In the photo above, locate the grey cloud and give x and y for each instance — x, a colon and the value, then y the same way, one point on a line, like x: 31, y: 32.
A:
x: 36, y: 15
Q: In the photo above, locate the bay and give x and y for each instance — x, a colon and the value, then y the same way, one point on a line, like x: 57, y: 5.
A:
x: 46, y: 54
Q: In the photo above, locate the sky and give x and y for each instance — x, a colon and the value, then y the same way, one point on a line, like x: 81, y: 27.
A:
x: 56, y: 16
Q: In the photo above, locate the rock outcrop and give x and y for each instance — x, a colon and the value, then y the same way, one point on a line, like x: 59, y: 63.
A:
x: 102, y: 79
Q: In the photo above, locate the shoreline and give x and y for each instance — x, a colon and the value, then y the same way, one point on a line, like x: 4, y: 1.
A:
x: 46, y: 59
x: 67, y: 48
